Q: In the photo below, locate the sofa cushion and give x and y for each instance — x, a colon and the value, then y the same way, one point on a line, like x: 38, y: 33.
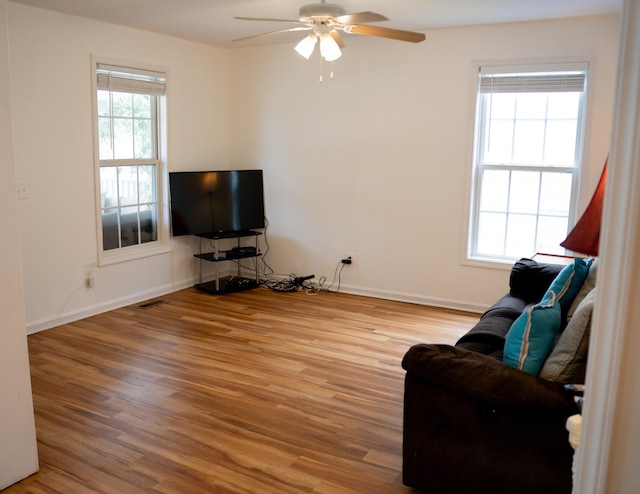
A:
x: 488, y: 335
x: 529, y: 279
x: 568, y: 283
x: 531, y: 336
x: 567, y: 362
x: 588, y: 285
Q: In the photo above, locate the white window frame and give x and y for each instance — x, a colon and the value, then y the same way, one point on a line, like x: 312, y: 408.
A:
x: 162, y: 244
x: 472, y: 256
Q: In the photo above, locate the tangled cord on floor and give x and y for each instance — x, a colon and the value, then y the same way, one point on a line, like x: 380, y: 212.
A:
x: 293, y: 284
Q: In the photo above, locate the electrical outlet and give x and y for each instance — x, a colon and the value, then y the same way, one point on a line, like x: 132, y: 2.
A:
x: 89, y: 281
x: 22, y: 189
x: 348, y: 259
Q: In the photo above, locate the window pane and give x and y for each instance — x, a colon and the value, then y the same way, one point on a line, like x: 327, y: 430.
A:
x: 128, y: 185
x: 498, y: 142
x: 123, y: 138
x: 523, y: 197
x: 143, y: 139
x: 147, y: 183
x: 560, y: 149
x: 491, y: 234
x: 148, y: 223
x: 521, y: 234
x: 105, y: 149
x: 531, y: 105
x: 555, y: 194
x: 495, y: 190
x: 129, y: 226
x: 104, y: 109
x: 563, y: 105
x: 528, y: 142
x: 142, y: 106
x: 501, y: 105
x: 110, y: 235
x: 122, y: 104
x: 551, y: 231
x: 108, y: 186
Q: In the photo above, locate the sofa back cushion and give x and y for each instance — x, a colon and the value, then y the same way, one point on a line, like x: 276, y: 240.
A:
x: 530, y: 279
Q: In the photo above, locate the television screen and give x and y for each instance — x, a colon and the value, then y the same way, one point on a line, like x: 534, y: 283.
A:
x: 216, y: 201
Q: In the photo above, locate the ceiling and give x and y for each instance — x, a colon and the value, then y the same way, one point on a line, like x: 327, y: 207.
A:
x: 212, y: 21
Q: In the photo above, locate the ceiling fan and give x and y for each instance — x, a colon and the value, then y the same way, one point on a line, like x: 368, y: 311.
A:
x: 325, y: 20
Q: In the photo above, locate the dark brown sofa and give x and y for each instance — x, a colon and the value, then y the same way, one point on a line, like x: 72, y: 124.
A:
x: 475, y: 425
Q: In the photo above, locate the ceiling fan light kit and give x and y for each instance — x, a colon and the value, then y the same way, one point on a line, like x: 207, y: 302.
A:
x: 306, y: 45
x: 329, y: 49
x: 324, y: 20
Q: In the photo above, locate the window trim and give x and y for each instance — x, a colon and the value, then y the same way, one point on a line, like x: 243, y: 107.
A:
x: 585, y: 63
x: 163, y: 243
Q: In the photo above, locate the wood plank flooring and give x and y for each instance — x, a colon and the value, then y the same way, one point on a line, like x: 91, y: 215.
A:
x: 253, y: 392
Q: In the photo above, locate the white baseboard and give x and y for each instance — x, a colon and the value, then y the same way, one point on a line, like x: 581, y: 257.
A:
x: 413, y: 298
x: 71, y: 316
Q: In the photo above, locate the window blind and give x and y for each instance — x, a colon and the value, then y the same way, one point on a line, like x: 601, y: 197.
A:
x: 532, y: 78
x: 129, y: 80
x: 532, y: 83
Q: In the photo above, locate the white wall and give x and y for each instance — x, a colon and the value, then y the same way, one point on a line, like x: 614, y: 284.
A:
x: 18, y: 452
x: 50, y: 73
x: 377, y: 161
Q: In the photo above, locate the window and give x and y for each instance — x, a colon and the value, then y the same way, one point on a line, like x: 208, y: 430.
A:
x: 130, y: 170
x: 528, y: 142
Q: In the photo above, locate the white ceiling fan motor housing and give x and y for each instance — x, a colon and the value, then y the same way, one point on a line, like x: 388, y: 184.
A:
x: 320, y: 11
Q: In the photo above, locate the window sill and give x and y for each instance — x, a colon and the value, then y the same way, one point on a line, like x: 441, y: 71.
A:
x: 491, y: 263
x: 133, y: 253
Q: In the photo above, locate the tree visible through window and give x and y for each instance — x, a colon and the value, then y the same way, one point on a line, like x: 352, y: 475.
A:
x: 529, y: 128
x: 127, y: 112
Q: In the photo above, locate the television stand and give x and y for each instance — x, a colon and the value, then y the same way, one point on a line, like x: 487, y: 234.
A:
x: 228, y: 284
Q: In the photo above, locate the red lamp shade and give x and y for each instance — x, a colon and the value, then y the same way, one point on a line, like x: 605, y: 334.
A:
x: 585, y: 236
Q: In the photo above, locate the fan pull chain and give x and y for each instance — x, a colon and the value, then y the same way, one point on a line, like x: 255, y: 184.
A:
x: 322, y: 68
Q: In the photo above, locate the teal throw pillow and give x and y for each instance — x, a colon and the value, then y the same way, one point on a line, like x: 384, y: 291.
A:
x: 568, y: 282
x: 531, y: 337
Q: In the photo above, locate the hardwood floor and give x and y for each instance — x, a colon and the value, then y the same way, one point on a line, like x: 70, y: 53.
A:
x: 253, y: 392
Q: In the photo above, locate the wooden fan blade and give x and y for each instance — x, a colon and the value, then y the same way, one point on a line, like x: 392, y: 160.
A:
x: 385, y: 32
x: 266, y: 19
x: 301, y: 28
x: 337, y: 38
x: 359, y: 18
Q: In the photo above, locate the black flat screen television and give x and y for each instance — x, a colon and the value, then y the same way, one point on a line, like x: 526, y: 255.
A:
x: 210, y: 202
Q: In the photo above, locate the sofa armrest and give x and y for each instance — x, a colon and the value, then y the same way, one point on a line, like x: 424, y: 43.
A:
x: 483, y: 378
x: 472, y: 424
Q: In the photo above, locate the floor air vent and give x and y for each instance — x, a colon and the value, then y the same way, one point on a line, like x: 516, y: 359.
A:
x: 153, y: 303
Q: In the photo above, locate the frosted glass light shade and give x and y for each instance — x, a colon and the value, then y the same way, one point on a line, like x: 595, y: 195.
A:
x: 306, y: 45
x: 329, y: 49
